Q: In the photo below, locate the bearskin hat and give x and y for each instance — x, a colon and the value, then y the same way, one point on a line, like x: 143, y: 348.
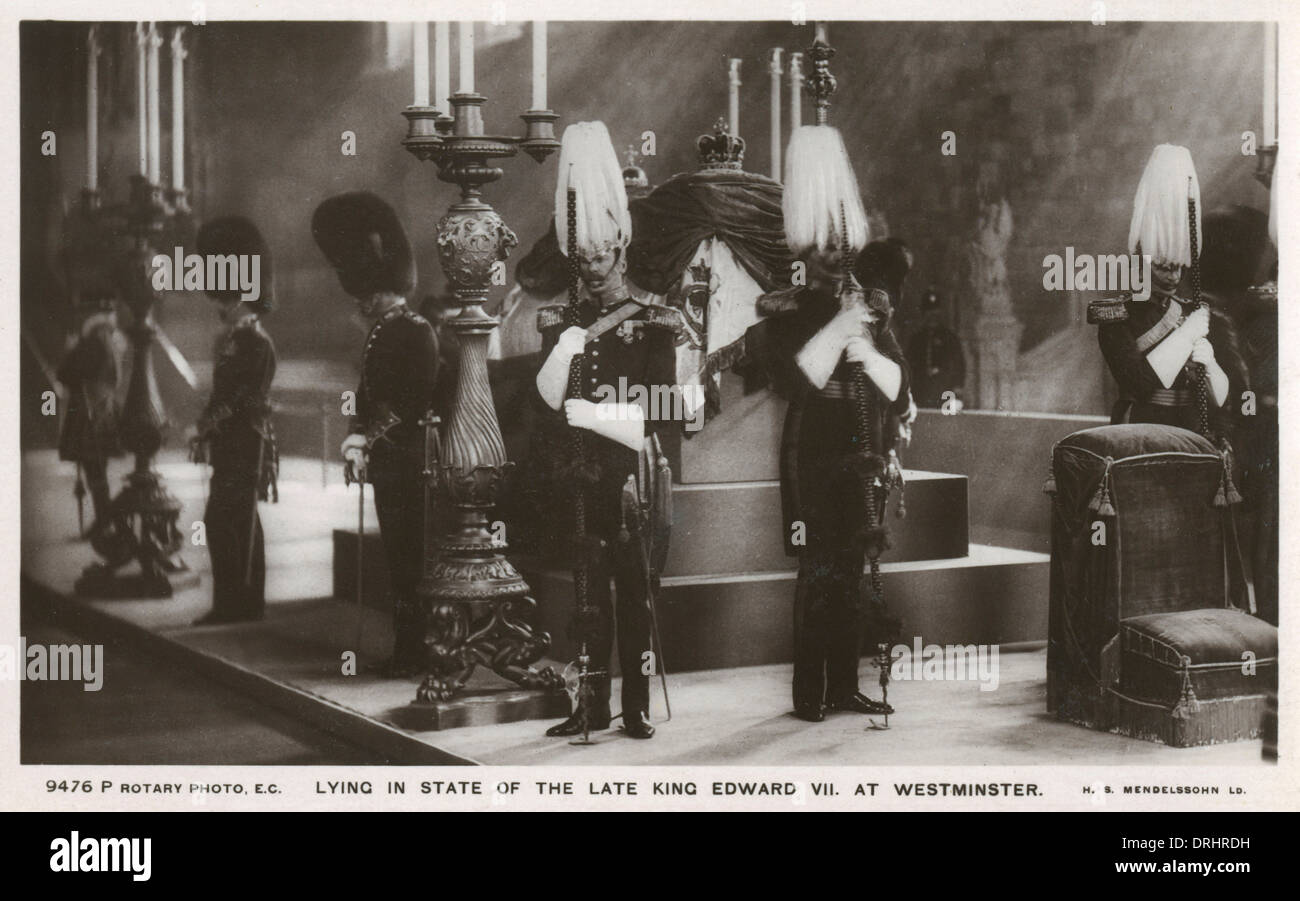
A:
x: 364, y: 241
x: 235, y: 235
x: 883, y: 265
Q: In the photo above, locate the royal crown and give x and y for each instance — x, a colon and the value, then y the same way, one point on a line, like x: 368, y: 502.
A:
x: 721, y: 150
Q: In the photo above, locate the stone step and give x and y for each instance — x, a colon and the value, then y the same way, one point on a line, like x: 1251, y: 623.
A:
x: 992, y: 595
x: 736, y: 527
x: 733, y: 527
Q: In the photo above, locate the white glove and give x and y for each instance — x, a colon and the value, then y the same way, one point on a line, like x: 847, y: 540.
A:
x: 572, y: 340
x: 818, y: 358
x: 1169, y: 356
x: 354, y: 453
x: 887, y: 374
x: 1203, y: 353
x: 624, y: 423
x: 553, y: 378
x: 1197, y: 322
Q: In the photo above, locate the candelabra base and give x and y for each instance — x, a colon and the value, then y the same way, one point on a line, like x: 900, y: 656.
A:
x: 465, y: 635
x: 485, y: 707
x: 141, y: 527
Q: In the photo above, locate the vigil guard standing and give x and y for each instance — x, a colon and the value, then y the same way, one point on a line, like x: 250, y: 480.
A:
x: 364, y: 240
x: 89, y: 376
x: 601, y: 352
x: 934, y: 356
x: 235, y: 434
x: 828, y: 347
x: 1176, y: 361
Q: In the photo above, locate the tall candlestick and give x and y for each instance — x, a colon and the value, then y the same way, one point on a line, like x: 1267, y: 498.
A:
x: 442, y: 67
x: 1270, y: 84
x: 178, y: 107
x: 539, y: 65
x: 92, y: 108
x: 774, y: 68
x: 142, y: 93
x: 420, y: 58
x: 796, y: 90
x: 733, y: 106
x: 466, y: 33
x: 155, y: 130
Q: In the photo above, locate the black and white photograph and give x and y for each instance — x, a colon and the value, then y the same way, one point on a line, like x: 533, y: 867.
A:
x: 804, y: 407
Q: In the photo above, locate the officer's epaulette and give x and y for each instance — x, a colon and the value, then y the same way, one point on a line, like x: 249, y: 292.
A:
x: 1109, y: 309
x: 550, y: 316
x: 773, y: 303
x: 663, y: 316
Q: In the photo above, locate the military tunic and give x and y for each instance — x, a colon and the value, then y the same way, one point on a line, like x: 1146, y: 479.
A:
x: 1125, y: 342
x: 89, y: 436
x: 236, y: 429
x: 937, y: 364
x: 823, y: 477
x: 399, y: 372
x: 634, y: 359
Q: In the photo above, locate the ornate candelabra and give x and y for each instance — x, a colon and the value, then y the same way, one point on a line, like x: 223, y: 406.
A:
x: 474, y: 597
x: 141, y: 524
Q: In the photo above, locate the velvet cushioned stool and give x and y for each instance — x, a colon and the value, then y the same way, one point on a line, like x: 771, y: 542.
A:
x: 1148, y: 631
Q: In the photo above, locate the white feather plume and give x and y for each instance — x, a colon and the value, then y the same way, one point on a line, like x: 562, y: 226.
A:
x: 819, y: 183
x: 1160, y: 221
x: 590, y: 167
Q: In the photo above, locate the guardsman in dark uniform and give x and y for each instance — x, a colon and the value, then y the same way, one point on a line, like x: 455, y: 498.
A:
x: 89, y: 375
x: 364, y: 240
x: 624, y: 361
x: 1156, y: 347
x: 235, y: 434
x: 810, y: 344
x: 934, y: 356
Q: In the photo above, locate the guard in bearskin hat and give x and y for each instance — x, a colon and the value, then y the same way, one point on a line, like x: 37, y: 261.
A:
x: 827, y: 346
x: 934, y: 355
x: 364, y: 240
x: 234, y: 434
x: 89, y: 376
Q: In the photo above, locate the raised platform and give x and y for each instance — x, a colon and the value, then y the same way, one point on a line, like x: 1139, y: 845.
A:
x: 293, y: 660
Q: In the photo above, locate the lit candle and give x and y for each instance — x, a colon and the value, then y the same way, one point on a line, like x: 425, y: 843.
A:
x: 466, y: 85
x: 734, y: 98
x: 155, y: 132
x: 774, y: 68
x: 442, y: 66
x: 539, y: 65
x: 92, y: 108
x: 796, y: 90
x: 142, y: 93
x: 178, y: 107
x: 420, y: 57
x: 820, y: 35
x: 1270, y: 84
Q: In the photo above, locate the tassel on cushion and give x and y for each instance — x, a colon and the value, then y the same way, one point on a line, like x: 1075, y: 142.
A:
x: 1100, y: 503
x: 1226, y: 486
x: 1187, y: 706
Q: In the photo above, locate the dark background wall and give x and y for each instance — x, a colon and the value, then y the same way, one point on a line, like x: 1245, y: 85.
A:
x: 1058, y: 117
